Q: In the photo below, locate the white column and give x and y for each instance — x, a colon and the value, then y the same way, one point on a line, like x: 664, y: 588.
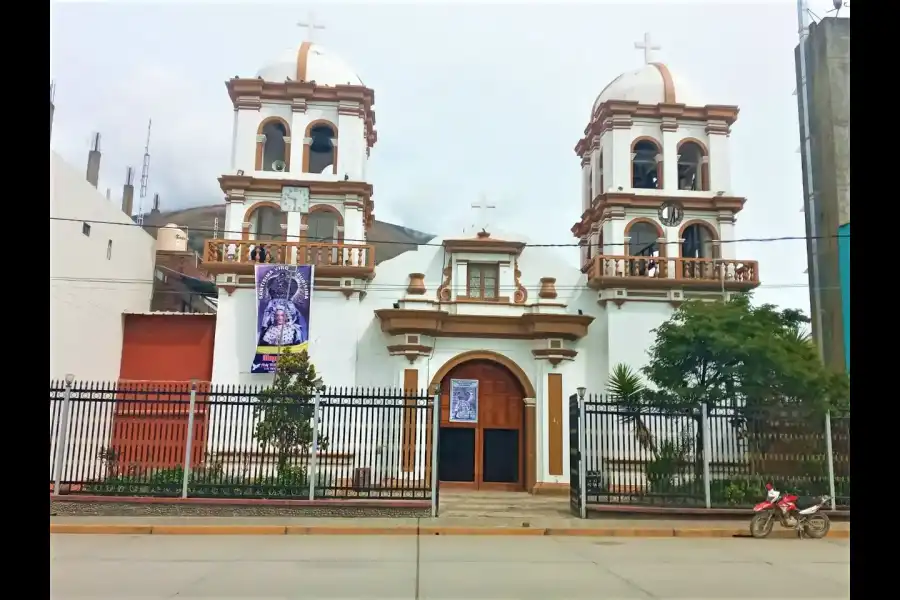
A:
x: 595, y: 240
x: 244, y: 150
x: 351, y: 144
x: 621, y: 164
x: 586, y: 183
x: 726, y: 232
x: 299, y: 121
x: 614, y: 235
x: 542, y: 458
x: 354, y: 225
x: 719, y: 163
x: 670, y: 156
x: 596, y: 167
x: 234, y: 218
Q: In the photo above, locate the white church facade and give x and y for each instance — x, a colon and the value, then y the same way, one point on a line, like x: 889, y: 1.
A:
x: 656, y: 201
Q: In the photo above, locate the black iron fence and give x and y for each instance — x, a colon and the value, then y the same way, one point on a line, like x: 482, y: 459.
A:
x: 134, y: 439
x: 707, y: 457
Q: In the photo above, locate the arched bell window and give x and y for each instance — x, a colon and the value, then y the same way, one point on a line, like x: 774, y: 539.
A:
x: 646, y: 165
x: 273, y: 145
x: 643, y: 238
x: 320, y: 148
x: 693, y: 166
x: 699, y: 238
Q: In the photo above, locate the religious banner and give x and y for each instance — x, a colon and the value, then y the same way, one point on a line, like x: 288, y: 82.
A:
x: 463, y: 400
x: 283, y: 298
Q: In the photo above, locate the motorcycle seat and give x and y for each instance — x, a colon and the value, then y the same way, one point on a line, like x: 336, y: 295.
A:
x: 804, y: 502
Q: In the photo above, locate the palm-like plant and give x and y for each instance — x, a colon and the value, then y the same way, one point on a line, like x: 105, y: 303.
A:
x: 799, y: 335
x: 625, y: 383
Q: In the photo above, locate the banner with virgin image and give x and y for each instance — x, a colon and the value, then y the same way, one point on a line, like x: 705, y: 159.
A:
x: 283, y: 298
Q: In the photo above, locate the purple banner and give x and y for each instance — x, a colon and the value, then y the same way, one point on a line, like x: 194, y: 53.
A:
x: 283, y: 298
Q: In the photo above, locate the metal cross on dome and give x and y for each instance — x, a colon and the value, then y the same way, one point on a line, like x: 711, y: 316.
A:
x: 482, y: 207
x: 648, y: 48
x: 310, y: 25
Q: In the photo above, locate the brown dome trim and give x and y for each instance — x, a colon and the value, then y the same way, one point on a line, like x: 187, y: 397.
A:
x: 302, y: 58
x: 668, y: 84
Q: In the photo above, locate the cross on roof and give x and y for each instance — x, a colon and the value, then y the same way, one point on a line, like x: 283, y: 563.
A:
x: 648, y: 48
x: 310, y: 25
x: 482, y: 207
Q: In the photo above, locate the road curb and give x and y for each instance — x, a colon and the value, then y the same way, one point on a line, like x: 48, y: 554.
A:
x: 642, y: 532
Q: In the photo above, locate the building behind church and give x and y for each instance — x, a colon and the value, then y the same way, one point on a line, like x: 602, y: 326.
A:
x: 826, y: 177
x: 101, y: 266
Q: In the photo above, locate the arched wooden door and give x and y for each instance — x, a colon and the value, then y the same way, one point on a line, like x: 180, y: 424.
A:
x: 489, y: 453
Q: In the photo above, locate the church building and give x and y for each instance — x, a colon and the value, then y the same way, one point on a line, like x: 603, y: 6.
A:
x: 655, y: 204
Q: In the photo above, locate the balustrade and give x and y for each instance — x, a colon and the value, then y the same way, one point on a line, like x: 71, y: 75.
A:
x: 224, y: 256
x: 617, y: 270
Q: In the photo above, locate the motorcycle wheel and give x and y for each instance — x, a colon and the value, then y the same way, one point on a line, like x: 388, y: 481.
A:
x: 761, y: 524
x: 817, y: 526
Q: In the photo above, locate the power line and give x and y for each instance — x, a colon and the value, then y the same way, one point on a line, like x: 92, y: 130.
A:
x: 399, y: 286
x: 432, y: 244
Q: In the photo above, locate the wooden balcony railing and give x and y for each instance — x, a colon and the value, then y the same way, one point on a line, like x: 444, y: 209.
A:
x: 238, y: 256
x: 657, y: 271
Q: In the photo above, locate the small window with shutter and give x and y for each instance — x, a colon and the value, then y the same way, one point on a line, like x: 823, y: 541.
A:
x: 483, y: 281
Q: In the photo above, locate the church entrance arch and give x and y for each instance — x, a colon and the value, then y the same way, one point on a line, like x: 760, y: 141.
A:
x: 487, y: 449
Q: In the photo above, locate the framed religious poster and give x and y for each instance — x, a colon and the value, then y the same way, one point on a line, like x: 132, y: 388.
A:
x: 463, y: 400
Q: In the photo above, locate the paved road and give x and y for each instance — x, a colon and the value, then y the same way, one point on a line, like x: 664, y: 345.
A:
x: 541, y: 568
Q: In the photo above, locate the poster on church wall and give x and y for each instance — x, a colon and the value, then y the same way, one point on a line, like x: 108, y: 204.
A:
x: 283, y: 298
x: 463, y: 400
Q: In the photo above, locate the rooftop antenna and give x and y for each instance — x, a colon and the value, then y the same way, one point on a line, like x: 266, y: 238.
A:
x: 145, y: 176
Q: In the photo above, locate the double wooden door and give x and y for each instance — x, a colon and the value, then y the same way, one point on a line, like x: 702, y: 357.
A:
x: 487, y: 454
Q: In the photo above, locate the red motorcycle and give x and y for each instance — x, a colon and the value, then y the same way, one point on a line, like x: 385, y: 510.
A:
x: 801, y: 513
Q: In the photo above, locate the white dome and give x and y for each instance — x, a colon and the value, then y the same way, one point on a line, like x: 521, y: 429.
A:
x: 653, y: 84
x: 310, y: 62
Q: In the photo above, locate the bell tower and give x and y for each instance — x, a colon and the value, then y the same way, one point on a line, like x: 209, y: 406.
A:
x: 657, y: 200
x: 302, y: 134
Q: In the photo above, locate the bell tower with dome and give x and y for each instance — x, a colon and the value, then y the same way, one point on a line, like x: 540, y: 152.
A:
x: 295, y: 191
x: 657, y: 199
x: 303, y: 130
x: 658, y: 207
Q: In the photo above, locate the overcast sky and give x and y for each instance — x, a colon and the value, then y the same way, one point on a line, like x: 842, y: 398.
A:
x: 470, y: 98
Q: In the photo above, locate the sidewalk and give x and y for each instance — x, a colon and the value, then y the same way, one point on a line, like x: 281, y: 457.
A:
x: 440, y: 526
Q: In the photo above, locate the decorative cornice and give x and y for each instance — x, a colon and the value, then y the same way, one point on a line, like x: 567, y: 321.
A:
x: 615, y: 114
x: 248, y: 183
x: 436, y: 323
x: 554, y: 355
x: 251, y: 93
x: 410, y: 351
x: 483, y: 243
x: 615, y: 203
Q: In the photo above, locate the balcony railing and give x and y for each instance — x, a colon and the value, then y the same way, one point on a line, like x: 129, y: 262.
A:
x: 661, y: 271
x: 330, y: 259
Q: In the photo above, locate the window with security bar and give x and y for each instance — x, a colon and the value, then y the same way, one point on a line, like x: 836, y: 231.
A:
x: 483, y: 281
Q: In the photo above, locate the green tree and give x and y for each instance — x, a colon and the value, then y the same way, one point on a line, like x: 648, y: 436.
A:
x: 733, y: 353
x: 717, y: 354
x: 285, y: 410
